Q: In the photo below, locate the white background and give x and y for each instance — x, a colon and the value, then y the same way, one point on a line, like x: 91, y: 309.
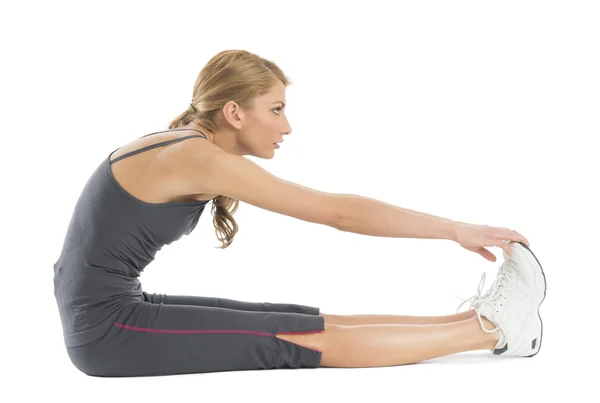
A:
x: 483, y: 112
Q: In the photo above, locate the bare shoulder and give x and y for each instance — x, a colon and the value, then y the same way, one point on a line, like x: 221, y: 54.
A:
x: 184, y: 163
x: 205, y: 168
x: 156, y: 174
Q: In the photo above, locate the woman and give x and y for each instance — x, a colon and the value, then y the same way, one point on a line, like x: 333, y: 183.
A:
x: 152, y: 191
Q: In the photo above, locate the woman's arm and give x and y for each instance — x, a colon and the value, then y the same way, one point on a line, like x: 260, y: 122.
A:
x: 363, y: 215
x: 208, y: 169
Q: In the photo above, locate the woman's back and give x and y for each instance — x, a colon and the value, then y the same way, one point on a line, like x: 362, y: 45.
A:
x: 112, y: 236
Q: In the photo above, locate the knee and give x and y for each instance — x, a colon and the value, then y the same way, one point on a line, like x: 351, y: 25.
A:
x: 332, y: 319
x: 314, y: 341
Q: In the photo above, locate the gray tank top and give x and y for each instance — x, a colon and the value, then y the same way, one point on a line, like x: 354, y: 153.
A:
x: 111, y: 238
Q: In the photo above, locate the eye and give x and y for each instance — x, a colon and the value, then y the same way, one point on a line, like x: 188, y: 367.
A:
x: 276, y: 109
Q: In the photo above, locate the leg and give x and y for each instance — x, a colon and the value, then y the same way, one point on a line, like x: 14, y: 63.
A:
x: 229, y: 303
x: 355, y: 320
x: 156, y: 339
x: 346, y: 320
x: 388, y: 345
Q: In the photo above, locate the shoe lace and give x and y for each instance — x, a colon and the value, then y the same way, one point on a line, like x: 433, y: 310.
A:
x: 505, y: 276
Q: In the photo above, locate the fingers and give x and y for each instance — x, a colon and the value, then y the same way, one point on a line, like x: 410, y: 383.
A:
x: 487, y: 254
x: 501, y: 243
x: 509, y: 235
x: 507, y: 248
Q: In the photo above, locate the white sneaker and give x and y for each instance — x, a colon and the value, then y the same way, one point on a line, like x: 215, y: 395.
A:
x: 512, y: 303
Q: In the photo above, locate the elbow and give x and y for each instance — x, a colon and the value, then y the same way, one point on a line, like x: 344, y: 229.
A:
x: 344, y: 212
x: 339, y: 223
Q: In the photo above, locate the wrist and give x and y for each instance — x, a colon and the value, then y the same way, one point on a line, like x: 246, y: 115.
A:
x: 452, y: 227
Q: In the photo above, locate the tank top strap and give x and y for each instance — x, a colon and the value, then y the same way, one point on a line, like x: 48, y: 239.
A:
x: 162, y: 143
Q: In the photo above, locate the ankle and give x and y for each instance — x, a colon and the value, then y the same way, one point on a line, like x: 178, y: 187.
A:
x: 490, y: 340
x: 489, y: 325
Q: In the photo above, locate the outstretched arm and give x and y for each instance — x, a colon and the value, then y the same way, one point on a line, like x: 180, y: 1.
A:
x: 363, y: 215
x: 213, y: 171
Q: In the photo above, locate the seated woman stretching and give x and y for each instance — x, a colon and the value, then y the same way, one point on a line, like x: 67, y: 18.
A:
x: 152, y: 191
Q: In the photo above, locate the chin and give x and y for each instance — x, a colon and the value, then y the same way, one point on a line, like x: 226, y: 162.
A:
x: 269, y: 156
x: 263, y: 156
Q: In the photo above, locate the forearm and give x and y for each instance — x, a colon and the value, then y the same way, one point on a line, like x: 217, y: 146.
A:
x: 363, y: 215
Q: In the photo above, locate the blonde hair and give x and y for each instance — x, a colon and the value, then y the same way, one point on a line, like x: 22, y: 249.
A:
x: 231, y: 75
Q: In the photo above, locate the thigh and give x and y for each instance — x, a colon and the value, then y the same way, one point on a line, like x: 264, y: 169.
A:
x: 229, y: 303
x: 156, y: 339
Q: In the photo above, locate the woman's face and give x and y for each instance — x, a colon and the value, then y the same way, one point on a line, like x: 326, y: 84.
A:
x: 266, y: 123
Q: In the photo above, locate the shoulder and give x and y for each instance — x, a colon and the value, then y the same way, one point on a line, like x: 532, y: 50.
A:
x: 209, y: 170
x: 186, y: 164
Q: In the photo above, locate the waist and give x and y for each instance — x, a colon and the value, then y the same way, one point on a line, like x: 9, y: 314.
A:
x: 91, y: 285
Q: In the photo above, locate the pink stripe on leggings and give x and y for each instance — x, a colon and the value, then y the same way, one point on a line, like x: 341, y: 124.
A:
x: 151, y: 330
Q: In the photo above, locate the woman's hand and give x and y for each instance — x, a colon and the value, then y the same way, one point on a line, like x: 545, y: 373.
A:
x: 475, y: 237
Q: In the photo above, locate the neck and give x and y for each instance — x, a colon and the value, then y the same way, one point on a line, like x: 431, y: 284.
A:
x: 224, y: 139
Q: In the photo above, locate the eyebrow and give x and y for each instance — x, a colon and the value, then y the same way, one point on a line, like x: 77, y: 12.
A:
x: 281, y: 102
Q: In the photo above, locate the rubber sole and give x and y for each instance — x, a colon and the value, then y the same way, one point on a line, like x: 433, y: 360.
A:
x: 533, y: 342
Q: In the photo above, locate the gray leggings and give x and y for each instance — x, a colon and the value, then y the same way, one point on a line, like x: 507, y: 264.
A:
x: 169, y: 334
